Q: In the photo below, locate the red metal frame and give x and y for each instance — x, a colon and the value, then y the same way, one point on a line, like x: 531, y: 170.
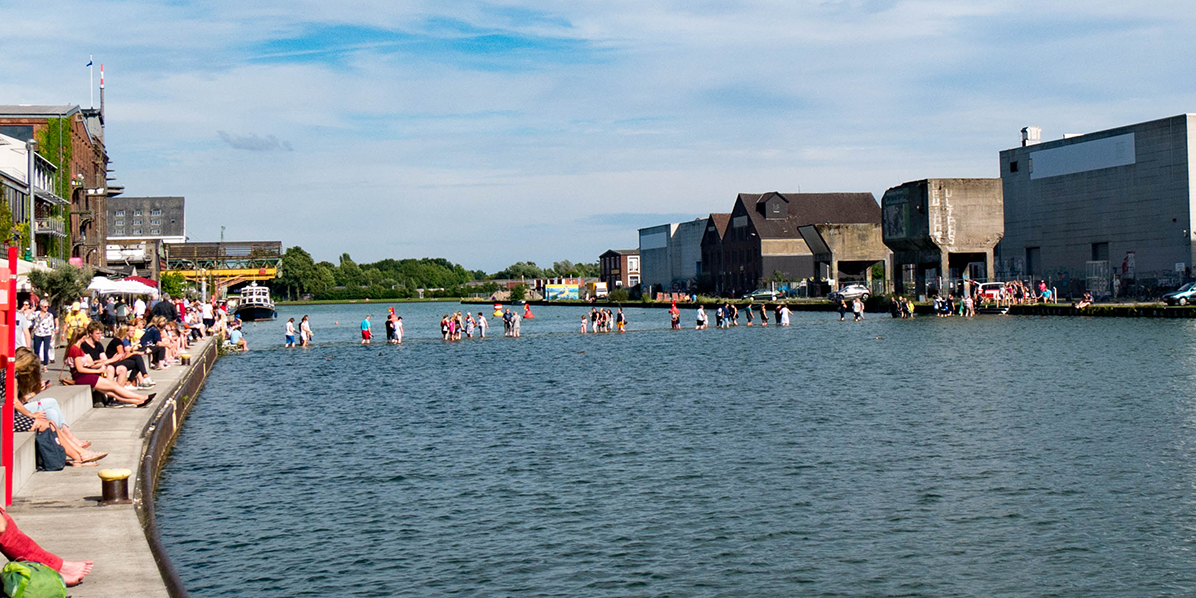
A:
x: 10, y: 378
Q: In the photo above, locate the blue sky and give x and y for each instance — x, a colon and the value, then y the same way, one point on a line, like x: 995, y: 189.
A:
x: 492, y: 132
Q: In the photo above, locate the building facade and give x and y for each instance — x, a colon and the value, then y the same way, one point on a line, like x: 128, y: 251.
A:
x: 46, y: 220
x: 763, y: 240
x: 620, y: 268
x: 943, y: 232
x: 82, y: 169
x: 1109, y: 212
x: 138, y: 230
x: 713, y: 278
x: 671, y: 255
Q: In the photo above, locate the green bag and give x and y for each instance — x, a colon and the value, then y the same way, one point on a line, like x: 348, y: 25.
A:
x: 25, y: 579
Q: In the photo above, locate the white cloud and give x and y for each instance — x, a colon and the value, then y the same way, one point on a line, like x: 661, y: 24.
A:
x: 661, y: 107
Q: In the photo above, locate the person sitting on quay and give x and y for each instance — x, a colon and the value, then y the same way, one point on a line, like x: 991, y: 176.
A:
x: 236, y: 340
x: 151, y: 342
x: 1085, y: 301
x: 84, y: 373
x: 35, y: 415
x: 126, y: 361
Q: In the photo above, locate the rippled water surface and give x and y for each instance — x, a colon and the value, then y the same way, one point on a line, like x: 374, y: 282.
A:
x: 998, y: 456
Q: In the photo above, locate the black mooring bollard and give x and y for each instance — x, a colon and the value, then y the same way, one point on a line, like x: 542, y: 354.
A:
x: 115, y: 486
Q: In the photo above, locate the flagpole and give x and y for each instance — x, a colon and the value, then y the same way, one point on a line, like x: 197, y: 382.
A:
x: 91, y: 79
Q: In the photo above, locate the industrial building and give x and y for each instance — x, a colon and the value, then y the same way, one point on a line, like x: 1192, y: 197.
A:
x: 671, y: 255
x: 713, y: 277
x: 943, y: 233
x: 138, y: 230
x: 1109, y: 212
x: 764, y: 240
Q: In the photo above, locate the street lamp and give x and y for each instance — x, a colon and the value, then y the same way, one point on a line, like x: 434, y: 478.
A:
x: 31, y: 149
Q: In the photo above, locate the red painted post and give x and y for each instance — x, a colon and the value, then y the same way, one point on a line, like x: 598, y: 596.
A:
x: 10, y: 378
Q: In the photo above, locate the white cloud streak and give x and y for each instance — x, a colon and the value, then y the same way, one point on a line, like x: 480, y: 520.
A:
x: 674, y: 107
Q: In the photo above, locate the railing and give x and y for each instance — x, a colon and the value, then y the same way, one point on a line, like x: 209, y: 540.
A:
x: 50, y: 226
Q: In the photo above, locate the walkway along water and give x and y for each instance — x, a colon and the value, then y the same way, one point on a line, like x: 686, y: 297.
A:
x: 60, y: 509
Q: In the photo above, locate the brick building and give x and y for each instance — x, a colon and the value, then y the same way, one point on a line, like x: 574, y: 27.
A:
x: 82, y: 179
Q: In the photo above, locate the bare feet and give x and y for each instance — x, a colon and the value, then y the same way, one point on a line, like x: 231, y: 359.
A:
x: 85, y: 444
x: 74, y: 571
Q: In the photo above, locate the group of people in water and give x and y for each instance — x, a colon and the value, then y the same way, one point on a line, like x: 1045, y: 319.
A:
x: 602, y: 320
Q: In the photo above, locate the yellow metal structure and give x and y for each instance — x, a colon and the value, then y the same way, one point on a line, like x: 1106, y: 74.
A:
x: 245, y: 274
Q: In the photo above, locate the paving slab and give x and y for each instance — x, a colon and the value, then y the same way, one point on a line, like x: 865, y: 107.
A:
x: 60, y: 510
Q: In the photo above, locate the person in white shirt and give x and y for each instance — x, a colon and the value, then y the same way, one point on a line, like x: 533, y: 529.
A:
x: 139, y: 308
x: 399, y: 330
x: 24, y: 324
x: 482, y: 325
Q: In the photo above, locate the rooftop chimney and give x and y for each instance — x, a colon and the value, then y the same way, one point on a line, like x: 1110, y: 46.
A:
x: 1030, y: 135
x: 102, y: 96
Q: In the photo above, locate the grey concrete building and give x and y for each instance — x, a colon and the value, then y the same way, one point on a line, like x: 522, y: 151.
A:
x: 1109, y: 212
x: 138, y: 230
x: 671, y: 255
x: 942, y: 231
x: 136, y: 218
x: 845, y: 253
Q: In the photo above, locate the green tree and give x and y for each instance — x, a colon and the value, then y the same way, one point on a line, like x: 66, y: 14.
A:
x: 519, y: 293
x: 62, y: 285
x: 349, y: 274
x: 619, y: 295
x: 520, y: 270
x: 296, y: 271
x: 171, y: 283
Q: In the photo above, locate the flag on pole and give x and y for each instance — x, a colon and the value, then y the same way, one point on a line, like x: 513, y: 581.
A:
x: 90, y: 62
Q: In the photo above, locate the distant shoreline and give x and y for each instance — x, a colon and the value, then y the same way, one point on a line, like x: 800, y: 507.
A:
x: 355, y: 301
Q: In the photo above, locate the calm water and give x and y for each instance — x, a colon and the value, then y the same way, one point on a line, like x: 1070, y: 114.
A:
x: 993, y: 457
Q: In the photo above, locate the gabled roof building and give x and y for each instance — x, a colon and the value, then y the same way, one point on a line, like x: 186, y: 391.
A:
x: 764, y: 239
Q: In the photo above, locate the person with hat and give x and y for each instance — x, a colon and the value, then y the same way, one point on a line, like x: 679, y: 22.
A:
x: 76, y: 322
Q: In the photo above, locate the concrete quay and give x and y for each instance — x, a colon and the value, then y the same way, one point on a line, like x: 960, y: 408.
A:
x: 60, y: 510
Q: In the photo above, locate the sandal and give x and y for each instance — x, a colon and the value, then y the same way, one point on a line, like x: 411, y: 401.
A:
x: 74, y: 463
x: 93, y: 457
x: 147, y: 400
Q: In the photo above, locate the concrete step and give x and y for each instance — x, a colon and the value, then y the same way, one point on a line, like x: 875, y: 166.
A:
x: 75, y: 402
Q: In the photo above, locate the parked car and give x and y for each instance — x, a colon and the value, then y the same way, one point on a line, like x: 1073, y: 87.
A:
x: 1185, y: 295
x: 849, y: 292
x: 991, y: 291
x: 764, y: 295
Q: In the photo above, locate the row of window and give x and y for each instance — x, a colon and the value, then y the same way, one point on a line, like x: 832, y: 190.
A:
x: 120, y: 213
x: 153, y: 231
x: 138, y: 222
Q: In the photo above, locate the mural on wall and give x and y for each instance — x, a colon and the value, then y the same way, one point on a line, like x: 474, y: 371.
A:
x: 942, y: 224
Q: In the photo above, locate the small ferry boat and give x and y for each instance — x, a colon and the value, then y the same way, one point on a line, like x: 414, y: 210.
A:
x: 255, y: 304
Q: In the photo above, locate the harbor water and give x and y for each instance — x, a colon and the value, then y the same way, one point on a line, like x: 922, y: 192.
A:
x: 994, y: 456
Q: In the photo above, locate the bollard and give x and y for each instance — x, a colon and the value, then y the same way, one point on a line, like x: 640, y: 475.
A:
x: 185, y: 358
x: 115, y: 484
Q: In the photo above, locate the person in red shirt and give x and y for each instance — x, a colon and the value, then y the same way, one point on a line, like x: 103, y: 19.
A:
x: 84, y: 372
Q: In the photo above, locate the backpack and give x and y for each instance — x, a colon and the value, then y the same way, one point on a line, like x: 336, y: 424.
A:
x: 50, y: 455
x: 26, y: 579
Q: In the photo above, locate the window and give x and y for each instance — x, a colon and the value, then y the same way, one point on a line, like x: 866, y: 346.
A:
x: 154, y: 231
x: 156, y: 221
x: 120, y: 231
x: 1013, y: 166
x: 633, y: 264
x: 120, y: 223
x: 120, y: 213
x: 136, y: 231
x: 136, y: 212
x: 633, y: 281
x: 1100, y: 252
x: 20, y: 132
x: 155, y: 212
x: 137, y: 222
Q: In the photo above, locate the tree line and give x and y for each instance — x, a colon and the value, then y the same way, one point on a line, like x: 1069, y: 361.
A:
x: 301, y: 276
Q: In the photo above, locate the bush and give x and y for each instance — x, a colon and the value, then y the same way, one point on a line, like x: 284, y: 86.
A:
x: 618, y: 295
